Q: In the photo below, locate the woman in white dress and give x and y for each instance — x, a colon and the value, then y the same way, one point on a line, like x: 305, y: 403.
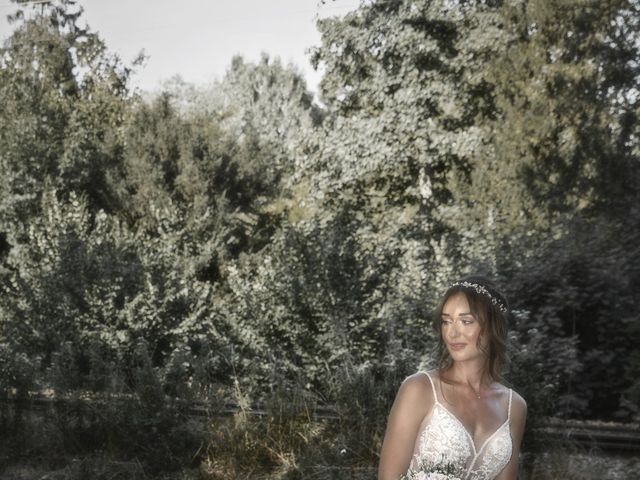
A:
x: 459, y: 419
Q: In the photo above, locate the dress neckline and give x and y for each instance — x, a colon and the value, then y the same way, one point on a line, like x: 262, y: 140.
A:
x: 441, y: 440
x: 476, y: 451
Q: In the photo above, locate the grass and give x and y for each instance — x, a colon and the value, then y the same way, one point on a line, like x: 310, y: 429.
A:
x: 570, y: 465
x: 555, y: 465
x: 282, y: 444
x: 136, y: 440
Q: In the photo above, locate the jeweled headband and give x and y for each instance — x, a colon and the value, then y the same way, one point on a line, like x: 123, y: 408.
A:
x: 483, y: 291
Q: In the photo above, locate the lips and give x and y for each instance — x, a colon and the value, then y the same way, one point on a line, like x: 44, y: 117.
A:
x: 457, y: 346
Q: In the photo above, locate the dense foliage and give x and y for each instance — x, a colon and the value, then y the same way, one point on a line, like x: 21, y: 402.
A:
x: 238, y: 242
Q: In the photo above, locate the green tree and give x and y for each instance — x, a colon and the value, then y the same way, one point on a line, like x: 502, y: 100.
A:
x: 270, y: 104
x: 561, y: 140
x: 489, y: 124
x: 64, y: 98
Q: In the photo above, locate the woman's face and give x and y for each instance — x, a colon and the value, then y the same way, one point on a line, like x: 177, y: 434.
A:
x: 461, y: 330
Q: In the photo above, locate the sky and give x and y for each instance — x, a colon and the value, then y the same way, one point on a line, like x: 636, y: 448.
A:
x: 196, y: 39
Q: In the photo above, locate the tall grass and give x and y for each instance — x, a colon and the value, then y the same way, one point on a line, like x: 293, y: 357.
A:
x: 147, y: 435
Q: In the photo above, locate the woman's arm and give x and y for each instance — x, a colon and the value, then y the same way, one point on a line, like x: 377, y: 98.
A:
x: 518, y: 420
x: 413, y: 401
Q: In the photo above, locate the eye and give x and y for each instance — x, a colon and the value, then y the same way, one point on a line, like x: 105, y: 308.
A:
x: 467, y: 320
x: 445, y: 321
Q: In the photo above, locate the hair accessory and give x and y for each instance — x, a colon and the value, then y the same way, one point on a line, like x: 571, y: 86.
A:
x: 483, y: 291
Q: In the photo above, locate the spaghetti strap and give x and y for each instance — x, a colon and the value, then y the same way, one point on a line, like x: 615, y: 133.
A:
x: 510, y: 397
x: 433, y: 388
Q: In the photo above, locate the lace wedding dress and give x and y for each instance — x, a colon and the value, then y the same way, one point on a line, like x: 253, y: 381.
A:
x: 443, y: 440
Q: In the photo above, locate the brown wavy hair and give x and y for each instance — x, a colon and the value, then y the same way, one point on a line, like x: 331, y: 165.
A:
x: 493, y: 322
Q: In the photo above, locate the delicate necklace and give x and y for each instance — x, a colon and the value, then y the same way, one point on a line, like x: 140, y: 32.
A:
x: 476, y: 393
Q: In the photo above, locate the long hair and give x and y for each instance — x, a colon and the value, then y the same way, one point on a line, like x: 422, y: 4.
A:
x: 488, y: 309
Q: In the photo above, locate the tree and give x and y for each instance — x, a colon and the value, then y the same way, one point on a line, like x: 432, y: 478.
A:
x: 561, y: 139
x: 489, y: 124
x: 64, y: 100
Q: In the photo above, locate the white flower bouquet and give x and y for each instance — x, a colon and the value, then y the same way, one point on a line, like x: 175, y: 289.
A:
x: 431, y: 476
x: 426, y: 471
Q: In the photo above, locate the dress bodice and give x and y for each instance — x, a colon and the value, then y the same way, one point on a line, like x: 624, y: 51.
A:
x: 443, y: 440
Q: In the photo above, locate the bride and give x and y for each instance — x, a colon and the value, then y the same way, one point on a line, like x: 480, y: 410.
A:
x: 459, y: 420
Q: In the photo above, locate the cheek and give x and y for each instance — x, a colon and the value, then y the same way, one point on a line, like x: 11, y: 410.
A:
x: 482, y: 341
x: 475, y: 335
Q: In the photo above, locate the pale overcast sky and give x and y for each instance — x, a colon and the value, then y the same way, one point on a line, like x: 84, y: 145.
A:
x: 197, y: 38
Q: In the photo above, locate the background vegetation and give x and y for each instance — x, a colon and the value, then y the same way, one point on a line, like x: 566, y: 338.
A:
x: 242, y: 243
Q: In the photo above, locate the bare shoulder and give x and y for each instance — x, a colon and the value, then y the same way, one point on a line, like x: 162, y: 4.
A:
x: 518, y: 417
x: 519, y: 404
x: 417, y: 384
x: 416, y: 390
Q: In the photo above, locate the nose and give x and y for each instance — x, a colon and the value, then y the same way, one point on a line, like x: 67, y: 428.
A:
x: 453, y: 330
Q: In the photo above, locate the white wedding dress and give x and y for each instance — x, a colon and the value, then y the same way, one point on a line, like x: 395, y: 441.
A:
x: 443, y: 440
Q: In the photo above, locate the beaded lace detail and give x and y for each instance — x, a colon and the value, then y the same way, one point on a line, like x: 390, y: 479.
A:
x: 445, y: 440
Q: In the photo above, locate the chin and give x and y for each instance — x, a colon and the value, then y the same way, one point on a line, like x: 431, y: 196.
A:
x: 464, y: 357
x: 457, y: 355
